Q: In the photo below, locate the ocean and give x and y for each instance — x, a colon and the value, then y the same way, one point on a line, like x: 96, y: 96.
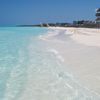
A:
x: 29, y: 71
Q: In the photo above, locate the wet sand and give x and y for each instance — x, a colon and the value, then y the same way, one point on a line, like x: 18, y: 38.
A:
x: 79, y: 49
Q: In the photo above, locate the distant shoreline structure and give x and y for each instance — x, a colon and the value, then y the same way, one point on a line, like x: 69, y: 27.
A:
x: 79, y: 23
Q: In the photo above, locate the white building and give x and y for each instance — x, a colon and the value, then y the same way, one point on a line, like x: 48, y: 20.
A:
x: 98, y: 15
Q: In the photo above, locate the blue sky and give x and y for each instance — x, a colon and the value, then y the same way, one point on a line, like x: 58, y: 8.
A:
x: 14, y: 12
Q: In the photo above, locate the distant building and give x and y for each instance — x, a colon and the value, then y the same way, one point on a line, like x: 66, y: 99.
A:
x: 62, y: 24
x: 98, y: 15
x: 84, y: 23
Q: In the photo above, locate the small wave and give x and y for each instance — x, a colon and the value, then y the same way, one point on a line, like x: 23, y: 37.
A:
x: 57, y: 54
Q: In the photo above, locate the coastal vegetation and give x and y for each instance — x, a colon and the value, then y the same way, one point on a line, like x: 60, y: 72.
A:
x: 77, y: 23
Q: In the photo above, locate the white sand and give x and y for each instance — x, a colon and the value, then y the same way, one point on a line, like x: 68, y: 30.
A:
x: 79, y: 49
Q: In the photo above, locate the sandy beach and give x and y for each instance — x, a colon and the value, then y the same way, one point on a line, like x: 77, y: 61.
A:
x: 79, y: 49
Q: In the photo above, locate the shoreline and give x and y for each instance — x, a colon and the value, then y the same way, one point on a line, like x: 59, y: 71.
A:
x: 79, y: 48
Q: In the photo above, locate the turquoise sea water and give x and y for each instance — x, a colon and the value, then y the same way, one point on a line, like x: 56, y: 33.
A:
x: 29, y: 72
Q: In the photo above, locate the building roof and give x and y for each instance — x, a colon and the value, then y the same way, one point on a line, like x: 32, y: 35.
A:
x: 98, y: 10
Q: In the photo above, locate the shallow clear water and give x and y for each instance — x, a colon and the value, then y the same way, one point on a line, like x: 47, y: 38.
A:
x: 28, y: 71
